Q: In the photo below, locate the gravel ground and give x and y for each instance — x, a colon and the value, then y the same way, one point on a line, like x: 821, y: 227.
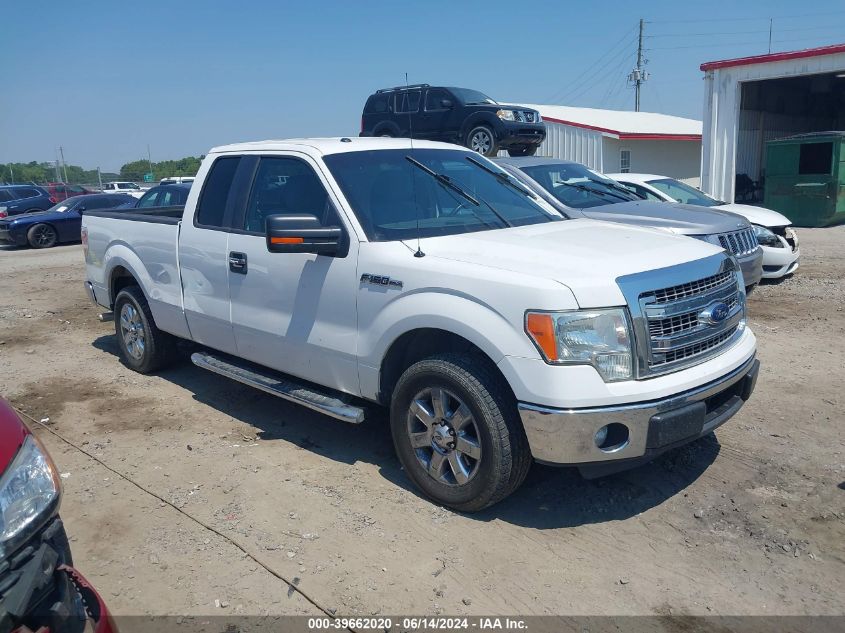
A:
x: 186, y: 493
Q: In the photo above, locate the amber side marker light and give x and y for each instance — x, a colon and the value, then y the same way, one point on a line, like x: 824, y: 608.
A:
x: 541, y: 329
x: 286, y: 240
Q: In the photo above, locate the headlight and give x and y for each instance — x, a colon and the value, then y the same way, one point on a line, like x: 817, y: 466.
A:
x: 29, y: 490
x: 766, y: 237
x: 600, y: 338
x: 538, y: 118
x: 506, y: 115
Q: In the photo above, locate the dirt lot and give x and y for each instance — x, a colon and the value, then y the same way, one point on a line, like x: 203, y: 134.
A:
x: 170, y: 471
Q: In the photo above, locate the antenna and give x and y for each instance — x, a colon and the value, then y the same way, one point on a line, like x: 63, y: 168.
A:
x: 419, y: 252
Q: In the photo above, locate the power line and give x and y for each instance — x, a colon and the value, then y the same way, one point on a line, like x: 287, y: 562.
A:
x: 625, y: 40
x: 716, y: 33
x: 584, y: 87
x: 732, y: 19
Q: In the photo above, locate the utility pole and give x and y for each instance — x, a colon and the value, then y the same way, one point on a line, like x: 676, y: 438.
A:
x: 638, y: 76
x: 770, y: 35
x: 58, y: 175
x: 150, y: 160
x: 100, y: 179
x: 11, y: 175
x: 64, y: 165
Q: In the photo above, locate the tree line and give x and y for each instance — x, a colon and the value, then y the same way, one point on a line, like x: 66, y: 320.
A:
x: 42, y: 173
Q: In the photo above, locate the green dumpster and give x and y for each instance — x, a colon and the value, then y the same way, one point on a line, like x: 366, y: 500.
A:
x: 805, y: 178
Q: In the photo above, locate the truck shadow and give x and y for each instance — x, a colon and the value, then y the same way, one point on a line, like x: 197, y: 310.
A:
x: 550, y: 498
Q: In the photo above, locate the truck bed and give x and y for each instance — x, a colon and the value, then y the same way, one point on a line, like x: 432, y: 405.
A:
x: 157, y: 215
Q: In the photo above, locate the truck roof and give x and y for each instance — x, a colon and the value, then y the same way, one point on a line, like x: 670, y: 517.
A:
x: 332, y: 145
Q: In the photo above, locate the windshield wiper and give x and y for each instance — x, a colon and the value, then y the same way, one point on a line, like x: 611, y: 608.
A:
x: 503, y: 177
x: 450, y: 184
x: 596, y: 191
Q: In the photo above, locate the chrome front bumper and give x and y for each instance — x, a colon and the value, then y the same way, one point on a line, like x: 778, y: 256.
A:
x: 567, y: 436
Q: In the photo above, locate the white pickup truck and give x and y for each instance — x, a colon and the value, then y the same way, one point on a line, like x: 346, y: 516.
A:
x: 421, y: 277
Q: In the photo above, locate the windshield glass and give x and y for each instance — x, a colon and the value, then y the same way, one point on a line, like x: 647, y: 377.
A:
x: 578, y: 186
x: 62, y: 206
x: 469, y: 97
x: 682, y: 192
x: 391, y: 195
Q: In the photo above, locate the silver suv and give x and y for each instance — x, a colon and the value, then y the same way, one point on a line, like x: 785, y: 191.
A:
x: 577, y: 191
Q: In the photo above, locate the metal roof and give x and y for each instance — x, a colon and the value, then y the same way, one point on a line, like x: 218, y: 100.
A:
x: 775, y: 57
x: 623, y: 124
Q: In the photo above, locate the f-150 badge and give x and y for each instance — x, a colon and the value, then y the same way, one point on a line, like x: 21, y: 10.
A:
x: 380, y: 280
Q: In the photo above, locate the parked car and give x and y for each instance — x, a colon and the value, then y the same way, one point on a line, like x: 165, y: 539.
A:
x: 454, y: 115
x: 779, y: 242
x: 16, y: 199
x: 60, y: 223
x: 39, y: 588
x: 60, y: 191
x: 587, y: 193
x: 165, y: 196
x: 122, y: 186
x: 177, y: 180
x: 421, y: 277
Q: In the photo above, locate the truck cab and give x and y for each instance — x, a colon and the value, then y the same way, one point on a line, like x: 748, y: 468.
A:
x: 421, y: 277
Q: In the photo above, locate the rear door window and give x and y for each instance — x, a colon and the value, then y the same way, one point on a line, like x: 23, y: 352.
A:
x: 407, y: 102
x: 26, y: 192
x: 149, y: 199
x: 215, y: 192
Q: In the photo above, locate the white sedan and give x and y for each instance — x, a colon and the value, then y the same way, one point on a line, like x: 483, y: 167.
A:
x: 779, y: 241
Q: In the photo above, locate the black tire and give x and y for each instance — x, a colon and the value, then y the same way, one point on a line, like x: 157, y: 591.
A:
x: 475, y: 143
x: 132, y: 315
x: 504, y: 455
x: 523, y: 150
x: 42, y: 236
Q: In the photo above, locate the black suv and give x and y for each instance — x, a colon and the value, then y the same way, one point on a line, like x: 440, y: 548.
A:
x: 454, y: 115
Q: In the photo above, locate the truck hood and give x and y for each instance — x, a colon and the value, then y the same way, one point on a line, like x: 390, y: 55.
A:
x: 584, y: 255
x: 756, y: 215
x: 683, y: 219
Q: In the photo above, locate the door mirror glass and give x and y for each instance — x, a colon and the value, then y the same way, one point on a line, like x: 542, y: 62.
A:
x: 302, y: 233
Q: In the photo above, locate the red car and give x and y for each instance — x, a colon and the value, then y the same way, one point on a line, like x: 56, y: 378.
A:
x: 60, y: 191
x: 39, y: 589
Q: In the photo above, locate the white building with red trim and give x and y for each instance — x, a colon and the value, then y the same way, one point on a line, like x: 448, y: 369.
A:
x: 621, y: 141
x: 751, y: 100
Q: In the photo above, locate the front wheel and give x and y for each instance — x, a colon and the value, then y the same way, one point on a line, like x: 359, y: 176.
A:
x: 143, y: 347
x: 457, y: 433
x: 523, y: 150
x: 482, y: 140
x: 42, y: 236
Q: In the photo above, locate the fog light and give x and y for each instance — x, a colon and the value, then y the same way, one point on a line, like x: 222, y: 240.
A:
x: 612, y: 437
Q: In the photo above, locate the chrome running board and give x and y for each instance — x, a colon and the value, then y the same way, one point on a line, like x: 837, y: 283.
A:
x: 270, y: 382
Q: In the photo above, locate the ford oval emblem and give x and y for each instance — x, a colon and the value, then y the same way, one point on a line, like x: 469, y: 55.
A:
x: 714, y: 313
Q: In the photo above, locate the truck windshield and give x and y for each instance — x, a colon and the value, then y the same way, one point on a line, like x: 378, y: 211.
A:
x: 394, y: 199
x: 577, y: 186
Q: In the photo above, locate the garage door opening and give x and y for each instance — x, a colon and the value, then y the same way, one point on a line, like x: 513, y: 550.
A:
x: 776, y: 108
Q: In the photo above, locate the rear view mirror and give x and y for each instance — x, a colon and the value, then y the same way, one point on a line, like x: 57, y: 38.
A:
x: 446, y: 103
x: 303, y: 234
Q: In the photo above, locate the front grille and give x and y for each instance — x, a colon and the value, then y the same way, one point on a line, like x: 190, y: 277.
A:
x: 692, y: 288
x: 524, y: 116
x: 698, y: 348
x: 739, y: 243
x: 678, y: 323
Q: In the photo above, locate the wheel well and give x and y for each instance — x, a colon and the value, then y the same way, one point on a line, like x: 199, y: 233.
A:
x: 417, y: 344
x: 120, y: 279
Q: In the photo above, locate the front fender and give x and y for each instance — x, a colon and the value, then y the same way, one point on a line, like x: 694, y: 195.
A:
x: 453, y: 312
x: 486, y: 118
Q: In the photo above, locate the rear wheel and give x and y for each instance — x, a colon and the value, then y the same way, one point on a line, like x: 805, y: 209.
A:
x: 143, y: 347
x: 482, y: 140
x: 523, y: 150
x: 42, y: 236
x: 457, y: 432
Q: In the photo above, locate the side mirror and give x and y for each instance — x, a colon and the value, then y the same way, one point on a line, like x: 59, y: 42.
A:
x: 302, y: 234
x: 446, y: 103
x: 80, y: 208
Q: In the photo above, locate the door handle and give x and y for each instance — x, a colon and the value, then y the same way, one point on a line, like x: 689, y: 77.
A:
x: 237, y: 262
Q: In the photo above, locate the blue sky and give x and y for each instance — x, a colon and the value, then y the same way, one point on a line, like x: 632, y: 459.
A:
x: 103, y: 81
